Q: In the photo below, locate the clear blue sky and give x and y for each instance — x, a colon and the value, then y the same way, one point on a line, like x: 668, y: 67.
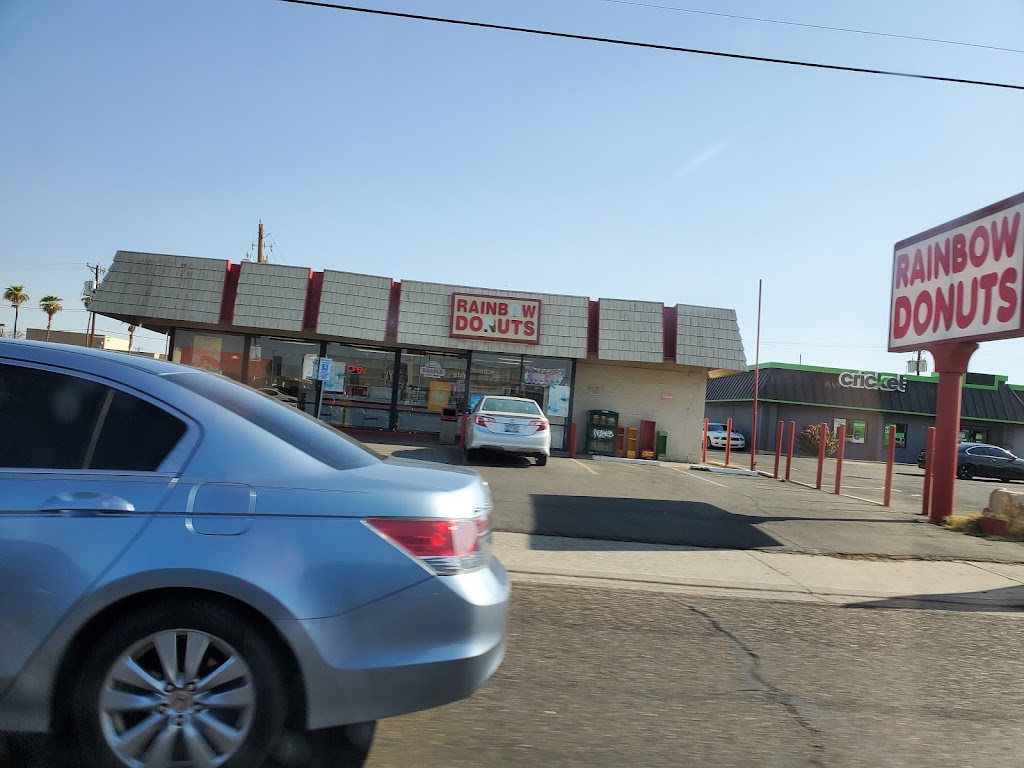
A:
x: 487, y: 158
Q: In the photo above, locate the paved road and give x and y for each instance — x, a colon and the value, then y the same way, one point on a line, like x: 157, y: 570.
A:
x: 612, y: 679
x: 673, y: 504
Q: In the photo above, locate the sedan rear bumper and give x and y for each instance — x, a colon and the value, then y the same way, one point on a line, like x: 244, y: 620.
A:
x: 538, y: 443
x: 426, y: 646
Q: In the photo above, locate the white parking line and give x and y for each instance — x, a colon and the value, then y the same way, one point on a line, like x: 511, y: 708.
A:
x: 580, y: 463
x: 696, y: 476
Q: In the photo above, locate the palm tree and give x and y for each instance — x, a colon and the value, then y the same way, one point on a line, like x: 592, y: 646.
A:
x: 51, y: 305
x: 16, y: 296
x: 131, y: 337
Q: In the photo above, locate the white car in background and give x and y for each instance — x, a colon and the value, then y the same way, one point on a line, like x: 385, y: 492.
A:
x: 509, y: 424
x: 717, y: 437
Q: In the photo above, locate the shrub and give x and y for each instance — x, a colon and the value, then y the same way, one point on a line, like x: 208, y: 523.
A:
x: 807, y: 440
x: 969, y: 524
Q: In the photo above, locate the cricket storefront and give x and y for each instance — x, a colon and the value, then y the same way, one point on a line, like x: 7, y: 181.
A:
x: 372, y: 353
x: 867, y: 402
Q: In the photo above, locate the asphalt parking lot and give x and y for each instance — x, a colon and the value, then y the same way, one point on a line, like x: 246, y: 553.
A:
x: 674, y: 504
x: 866, y: 479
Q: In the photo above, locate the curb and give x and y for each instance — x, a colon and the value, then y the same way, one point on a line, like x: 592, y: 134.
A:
x: 748, y: 590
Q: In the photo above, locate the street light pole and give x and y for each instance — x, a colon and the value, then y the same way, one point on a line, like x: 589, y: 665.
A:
x: 757, y: 382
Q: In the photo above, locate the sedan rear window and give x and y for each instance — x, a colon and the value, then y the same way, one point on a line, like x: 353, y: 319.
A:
x: 298, y: 429
x: 510, y: 405
x: 58, y: 421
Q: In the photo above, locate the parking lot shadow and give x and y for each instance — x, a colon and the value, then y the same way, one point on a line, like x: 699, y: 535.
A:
x: 647, y: 521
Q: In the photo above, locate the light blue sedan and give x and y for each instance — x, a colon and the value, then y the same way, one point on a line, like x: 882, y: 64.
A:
x: 194, y: 574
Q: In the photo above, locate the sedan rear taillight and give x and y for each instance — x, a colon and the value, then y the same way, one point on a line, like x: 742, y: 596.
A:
x: 446, y: 547
x: 540, y: 424
x: 483, y: 421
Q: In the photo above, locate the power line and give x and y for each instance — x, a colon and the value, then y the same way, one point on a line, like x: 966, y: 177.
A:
x: 652, y: 46
x: 816, y: 26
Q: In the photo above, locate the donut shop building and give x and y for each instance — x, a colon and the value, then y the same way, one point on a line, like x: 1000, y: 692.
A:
x: 405, y: 353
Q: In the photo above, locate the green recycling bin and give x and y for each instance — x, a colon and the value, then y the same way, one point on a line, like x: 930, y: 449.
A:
x: 661, y: 447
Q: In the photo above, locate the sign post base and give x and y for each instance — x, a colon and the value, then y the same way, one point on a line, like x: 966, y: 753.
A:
x: 951, y: 360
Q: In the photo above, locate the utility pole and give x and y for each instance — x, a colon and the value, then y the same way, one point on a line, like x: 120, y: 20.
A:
x: 91, y: 335
x: 259, y: 249
x: 757, y: 384
x: 917, y: 364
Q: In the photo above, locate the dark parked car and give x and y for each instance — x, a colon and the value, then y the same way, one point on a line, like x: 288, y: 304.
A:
x: 981, y: 460
x: 192, y: 574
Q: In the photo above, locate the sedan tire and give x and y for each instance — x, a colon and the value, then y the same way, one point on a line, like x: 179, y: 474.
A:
x: 542, y: 460
x: 181, y: 681
x: 965, y: 471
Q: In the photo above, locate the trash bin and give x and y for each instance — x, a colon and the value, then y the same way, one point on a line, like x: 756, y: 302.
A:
x: 449, y: 426
x: 602, y: 427
x: 662, y: 447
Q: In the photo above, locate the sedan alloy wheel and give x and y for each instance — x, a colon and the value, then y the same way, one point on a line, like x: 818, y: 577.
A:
x: 181, y: 694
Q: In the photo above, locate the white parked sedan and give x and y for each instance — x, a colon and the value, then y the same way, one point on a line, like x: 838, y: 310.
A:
x: 510, y: 424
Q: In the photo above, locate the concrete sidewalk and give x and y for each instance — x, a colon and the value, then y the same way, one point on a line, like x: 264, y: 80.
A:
x: 767, y: 575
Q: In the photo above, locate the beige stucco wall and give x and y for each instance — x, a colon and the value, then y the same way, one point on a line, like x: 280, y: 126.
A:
x: 636, y: 392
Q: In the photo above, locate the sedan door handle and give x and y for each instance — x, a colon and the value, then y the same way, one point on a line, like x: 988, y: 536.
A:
x: 90, y: 501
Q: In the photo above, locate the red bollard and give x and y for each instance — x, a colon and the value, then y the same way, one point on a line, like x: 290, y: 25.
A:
x: 926, y: 495
x: 789, y: 454
x: 889, y: 462
x: 572, y: 440
x: 822, y: 432
x: 779, y: 429
x: 704, y: 444
x: 728, y: 440
x: 839, y: 458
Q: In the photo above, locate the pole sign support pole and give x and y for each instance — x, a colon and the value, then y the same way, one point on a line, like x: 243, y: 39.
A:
x: 951, y: 363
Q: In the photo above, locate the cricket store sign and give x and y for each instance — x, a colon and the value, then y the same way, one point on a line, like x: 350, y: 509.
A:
x: 495, y: 318
x: 961, y: 281
x: 887, y: 382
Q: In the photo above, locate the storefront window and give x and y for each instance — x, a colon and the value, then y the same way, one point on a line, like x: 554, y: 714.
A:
x: 428, y: 383
x: 358, y: 393
x: 974, y: 435
x: 495, y: 375
x: 901, y: 435
x: 219, y: 352
x: 285, y: 369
